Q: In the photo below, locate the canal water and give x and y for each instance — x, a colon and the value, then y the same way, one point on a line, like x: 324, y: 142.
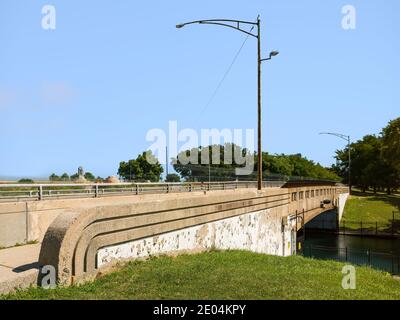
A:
x: 379, y: 253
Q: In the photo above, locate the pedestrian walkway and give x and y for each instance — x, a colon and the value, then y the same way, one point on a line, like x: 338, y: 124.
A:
x: 19, y: 267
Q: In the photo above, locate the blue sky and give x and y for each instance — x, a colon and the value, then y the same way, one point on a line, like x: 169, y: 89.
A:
x: 88, y: 92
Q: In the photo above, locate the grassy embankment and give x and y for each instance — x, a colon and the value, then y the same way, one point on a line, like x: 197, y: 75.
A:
x: 372, y: 208
x: 227, y: 275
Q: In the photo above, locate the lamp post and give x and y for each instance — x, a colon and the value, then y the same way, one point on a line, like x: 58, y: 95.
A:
x: 346, y: 138
x: 237, y: 25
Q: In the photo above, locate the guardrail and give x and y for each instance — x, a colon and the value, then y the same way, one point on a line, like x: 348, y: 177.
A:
x: 38, y: 192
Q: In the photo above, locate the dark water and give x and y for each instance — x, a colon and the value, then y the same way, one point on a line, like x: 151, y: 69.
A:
x: 383, y: 254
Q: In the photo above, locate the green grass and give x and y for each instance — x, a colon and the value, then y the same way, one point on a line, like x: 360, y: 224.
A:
x: 227, y: 275
x: 370, y: 208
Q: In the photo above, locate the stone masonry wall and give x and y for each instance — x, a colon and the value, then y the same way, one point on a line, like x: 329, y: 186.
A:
x: 259, y: 232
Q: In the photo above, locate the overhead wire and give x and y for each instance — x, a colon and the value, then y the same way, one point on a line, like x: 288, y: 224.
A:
x: 215, y: 92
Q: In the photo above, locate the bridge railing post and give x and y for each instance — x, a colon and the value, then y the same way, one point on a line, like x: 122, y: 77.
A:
x: 397, y: 257
x: 96, y: 191
x: 392, y: 256
x: 304, y: 226
x: 393, y: 225
x: 369, y: 256
x: 40, y: 194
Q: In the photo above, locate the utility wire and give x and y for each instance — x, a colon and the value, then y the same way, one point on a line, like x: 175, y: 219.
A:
x: 225, y: 75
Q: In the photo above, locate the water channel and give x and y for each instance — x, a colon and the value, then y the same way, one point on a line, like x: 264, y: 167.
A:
x: 379, y: 253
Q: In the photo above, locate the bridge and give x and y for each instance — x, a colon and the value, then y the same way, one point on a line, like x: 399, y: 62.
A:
x: 83, y: 236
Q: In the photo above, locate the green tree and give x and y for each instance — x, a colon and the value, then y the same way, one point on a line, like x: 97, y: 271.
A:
x: 296, y: 166
x: 65, y: 177
x: 145, y: 167
x: 89, y: 176
x: 173, y: 177
x: 216, y: 162
x: 279, y: 164
x: 391, y: 144
x: 370, y: 167
x: 26, y: 180
x: 391, y: 153
x: 54, y: 177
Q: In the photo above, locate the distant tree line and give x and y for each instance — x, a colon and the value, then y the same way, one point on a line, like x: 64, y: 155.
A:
x: 26, y: 180
x: 65, y: 177
x: 375, y: 160
x: 296, y: 165
x: 274, y: 166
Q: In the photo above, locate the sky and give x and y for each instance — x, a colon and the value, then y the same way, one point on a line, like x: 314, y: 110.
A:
x: 87, y: 92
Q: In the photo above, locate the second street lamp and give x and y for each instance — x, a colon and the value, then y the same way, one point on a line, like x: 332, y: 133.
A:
x: 237, y: 25
x: 348, y: 139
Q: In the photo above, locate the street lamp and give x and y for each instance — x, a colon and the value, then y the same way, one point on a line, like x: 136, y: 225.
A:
x: 346, y: 138
x: 236, y: 24
x: 271, y: 54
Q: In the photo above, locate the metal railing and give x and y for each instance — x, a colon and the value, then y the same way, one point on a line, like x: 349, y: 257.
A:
x: 38, y: 192
x: 371, y: 228
x: 388, y: 228
x: 384, y: 261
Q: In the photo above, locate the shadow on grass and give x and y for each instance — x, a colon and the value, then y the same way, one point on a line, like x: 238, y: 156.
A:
x: 393, y: 200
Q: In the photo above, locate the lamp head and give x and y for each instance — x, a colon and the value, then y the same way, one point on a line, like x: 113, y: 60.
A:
x: 273, y: 54
x: 180, y: 26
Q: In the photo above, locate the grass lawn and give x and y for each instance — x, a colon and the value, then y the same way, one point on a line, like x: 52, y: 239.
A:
x: 370, y: 208
x: 227, y: 275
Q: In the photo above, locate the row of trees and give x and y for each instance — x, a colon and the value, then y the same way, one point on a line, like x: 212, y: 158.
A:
x: 66, y: 177
x: 190, y: 166
x: 296, y: 166
x: 277, y: 165
x: 375, y: 160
